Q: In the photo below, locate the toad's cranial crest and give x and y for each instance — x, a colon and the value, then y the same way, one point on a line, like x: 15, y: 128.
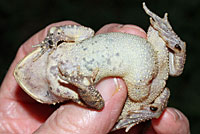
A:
x: 70, y: 61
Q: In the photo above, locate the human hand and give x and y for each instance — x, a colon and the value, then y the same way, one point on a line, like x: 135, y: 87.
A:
x: 21, y: 114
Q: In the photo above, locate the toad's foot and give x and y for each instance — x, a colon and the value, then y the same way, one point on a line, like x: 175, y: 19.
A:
x: 44, y: 48
x: 88, y: 93
x: 60, y: 34
x: 176, y: 46
x: 147, y: 112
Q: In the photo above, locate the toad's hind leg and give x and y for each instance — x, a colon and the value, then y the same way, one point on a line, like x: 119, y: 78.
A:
x: 137, y: 92
x: 177, y: 47
x: 145, y: 112
x: 86, y: 89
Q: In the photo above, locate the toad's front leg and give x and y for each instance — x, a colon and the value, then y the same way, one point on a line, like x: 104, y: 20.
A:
x: 86, y: 89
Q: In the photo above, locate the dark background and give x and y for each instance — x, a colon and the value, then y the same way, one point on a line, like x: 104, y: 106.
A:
x: 20, y: 19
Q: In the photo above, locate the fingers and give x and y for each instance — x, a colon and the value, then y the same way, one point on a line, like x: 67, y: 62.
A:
x: 171, y: 122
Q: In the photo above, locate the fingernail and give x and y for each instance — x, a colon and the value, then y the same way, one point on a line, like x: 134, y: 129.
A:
x: 114, y: 28
x: 108, y: 88
x: 117, y: 86
x: 133, y: 29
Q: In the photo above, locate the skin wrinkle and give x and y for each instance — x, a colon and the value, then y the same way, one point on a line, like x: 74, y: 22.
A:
x: 178, y: 117
x: 10, y: 109
x: 12, y: 126
x: 8, y: 127
x: 53, y: 125
x: 93, y: 128
x: 67, y: 120
x: 171, y: 120
x: 17, y: 128
x: 74, y: 126
x: 61, y: 127
x: 85, y: 120
x: 181, y: 118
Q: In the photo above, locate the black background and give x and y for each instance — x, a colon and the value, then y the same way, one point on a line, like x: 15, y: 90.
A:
x: 20, y: 19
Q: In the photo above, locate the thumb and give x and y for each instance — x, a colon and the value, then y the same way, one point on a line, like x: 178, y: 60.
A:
x: 71, y: 118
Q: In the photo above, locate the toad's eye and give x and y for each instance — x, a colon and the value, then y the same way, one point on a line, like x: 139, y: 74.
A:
x: 153, y: 109
x: 177, y: 46
x: 50, y: 43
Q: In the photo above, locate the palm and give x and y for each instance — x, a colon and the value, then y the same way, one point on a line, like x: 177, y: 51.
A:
x: 21, y: 113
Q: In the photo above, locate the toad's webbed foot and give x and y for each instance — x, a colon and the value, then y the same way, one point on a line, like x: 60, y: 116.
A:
x: 177, y: 48
x: 146, y: 112
x: 86, y: 89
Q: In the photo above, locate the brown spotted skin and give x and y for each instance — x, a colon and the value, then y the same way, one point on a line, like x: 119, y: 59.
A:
x: 86, y: 88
